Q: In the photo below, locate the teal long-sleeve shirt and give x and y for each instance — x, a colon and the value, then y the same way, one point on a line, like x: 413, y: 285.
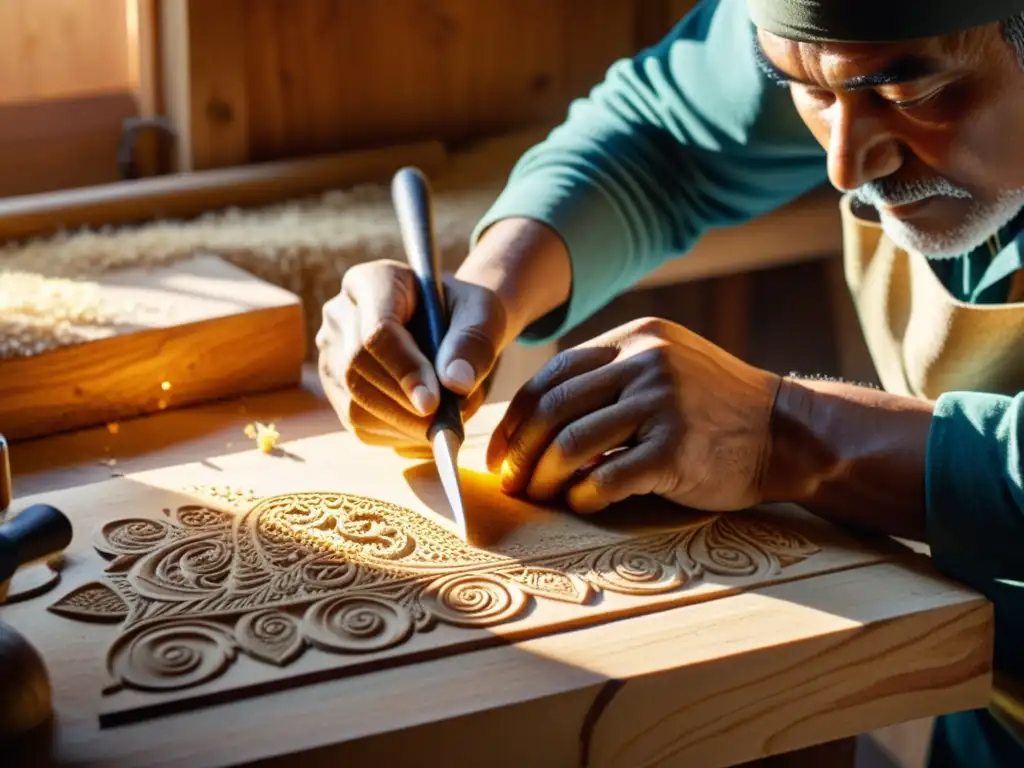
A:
x: 690, y: 135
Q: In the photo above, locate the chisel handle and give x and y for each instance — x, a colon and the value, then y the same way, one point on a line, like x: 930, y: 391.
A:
x: 410, y: 194
x: 35, y: 533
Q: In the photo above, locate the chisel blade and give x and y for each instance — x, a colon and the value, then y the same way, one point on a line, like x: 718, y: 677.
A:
x: 446, y: 445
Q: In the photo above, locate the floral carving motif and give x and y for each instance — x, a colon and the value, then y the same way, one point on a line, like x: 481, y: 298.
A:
x: 353, y: 575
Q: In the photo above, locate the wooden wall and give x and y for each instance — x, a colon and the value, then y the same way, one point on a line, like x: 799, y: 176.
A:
x: 279, y: 78
x: 59, y: 48
x: 66, y: 85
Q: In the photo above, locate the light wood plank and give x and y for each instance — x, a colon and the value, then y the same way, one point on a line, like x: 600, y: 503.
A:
x: 528, y: 686
x: 187, y: 195
x: 196, y: 330
x: 851, y: 660
x: 165, y: 438
x: 767, y: 671
x: 642, y: 557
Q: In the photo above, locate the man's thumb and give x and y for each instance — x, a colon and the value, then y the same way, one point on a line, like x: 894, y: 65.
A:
x: 473, y: 342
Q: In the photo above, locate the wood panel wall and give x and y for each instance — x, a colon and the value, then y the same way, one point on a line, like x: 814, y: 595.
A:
x: 66, y: 85
x: 62, y: 48
x: 268, y: 79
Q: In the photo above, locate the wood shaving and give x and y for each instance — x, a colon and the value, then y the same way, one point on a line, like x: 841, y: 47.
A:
x: 40, y: 313
x: 265, y: 435
x: 304, y: 246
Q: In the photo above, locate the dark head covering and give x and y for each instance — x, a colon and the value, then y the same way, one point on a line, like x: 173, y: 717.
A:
x: 875, y: 21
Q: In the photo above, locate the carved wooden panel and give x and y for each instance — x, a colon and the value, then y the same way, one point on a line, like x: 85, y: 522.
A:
x: 224, y: 591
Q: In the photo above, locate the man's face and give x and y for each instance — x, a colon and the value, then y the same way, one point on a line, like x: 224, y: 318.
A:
x: 929, y: 132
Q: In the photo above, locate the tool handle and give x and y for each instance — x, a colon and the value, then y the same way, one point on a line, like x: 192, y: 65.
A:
x: 410, y: 194
x: 35, y: 533
x: 5, y: 475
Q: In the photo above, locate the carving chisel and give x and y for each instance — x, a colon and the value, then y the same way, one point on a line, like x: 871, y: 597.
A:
x: 410, y: 194
x: 5, y: 475
x: 33, y: 535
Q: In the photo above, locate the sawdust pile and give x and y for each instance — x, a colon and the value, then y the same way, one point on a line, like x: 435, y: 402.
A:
x: 39, y: 313
x: 47, y: 288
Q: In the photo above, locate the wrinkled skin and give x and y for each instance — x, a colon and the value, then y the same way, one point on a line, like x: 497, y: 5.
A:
x: 380, y: 384
x: 934, y: 114
x: 690, y: 419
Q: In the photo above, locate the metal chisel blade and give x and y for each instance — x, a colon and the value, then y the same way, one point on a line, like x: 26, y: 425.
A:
x: 446, y: 452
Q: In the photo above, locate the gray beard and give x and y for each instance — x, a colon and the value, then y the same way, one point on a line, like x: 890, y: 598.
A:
x: 982, y: 221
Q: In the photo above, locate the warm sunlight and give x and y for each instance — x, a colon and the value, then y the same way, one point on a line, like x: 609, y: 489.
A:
x: 70, y: 75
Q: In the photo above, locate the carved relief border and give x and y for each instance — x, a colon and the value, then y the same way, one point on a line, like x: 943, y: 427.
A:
x: 352, y: 575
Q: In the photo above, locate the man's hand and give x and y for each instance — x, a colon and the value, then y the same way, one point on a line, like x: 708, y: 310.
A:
x: 648, y: 408
x: 381, y: 385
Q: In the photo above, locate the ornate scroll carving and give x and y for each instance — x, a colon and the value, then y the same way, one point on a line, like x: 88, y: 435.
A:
x: 352, y: 575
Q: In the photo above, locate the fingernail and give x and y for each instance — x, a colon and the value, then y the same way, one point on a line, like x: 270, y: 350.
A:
x: 505, y: 476
x: 461, y: 373
x: 421, y: 399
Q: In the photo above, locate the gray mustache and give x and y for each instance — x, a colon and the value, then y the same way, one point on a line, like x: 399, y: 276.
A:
x: 887, y: 192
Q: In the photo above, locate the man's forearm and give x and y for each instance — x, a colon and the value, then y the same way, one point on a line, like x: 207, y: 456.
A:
x: 526, y: 264
x: 851, y: 454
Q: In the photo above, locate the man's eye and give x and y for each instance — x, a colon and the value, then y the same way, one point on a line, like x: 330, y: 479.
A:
x: 918, y: 102
x: 820, y: 95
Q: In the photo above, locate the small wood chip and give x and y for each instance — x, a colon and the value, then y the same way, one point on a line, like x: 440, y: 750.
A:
x: 265, y: 435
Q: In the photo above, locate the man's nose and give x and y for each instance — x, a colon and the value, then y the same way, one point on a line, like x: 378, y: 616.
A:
x: 861, y: 147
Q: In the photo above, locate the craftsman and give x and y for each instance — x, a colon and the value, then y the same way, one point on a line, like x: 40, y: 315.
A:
x: 915, y: 110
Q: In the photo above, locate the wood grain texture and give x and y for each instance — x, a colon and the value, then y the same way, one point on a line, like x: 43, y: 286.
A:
x: 797, y: 661
x: 472, y: 708
x: 171, y: 437
x: 268, y: 79
x: 280, y: 570
x: 187, y: 195
x: 196, y: 330
x: 62, y: 48
x: 218, y: 91
x: 271, y: 79
x: 61, y: 143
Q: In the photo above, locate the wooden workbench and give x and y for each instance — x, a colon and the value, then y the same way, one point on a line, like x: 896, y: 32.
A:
x: 772, y: 670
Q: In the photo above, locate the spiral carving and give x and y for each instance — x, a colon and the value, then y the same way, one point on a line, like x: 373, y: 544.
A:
x: 329, y: 574
x: 719, y: 550
x: 187, y: 570
x: 634, y: 571
x: 787, y: 545
x: 473, y: 600
x: 354, y: 575
x: 376, y: 537
x: 132, y: 536
x: 357, y: 624
x: 171, y: 657
x: 287, y: 514
x: 196, y: 516
x: 271, y: 635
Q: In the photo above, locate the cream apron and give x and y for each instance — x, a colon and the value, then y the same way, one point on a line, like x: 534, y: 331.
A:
x: 924, y: 342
